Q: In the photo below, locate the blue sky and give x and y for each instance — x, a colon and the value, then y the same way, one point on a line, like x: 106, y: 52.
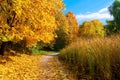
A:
x: 86, y: 10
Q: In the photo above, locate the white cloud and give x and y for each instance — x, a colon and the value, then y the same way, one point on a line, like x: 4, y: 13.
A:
x: 103, y: 10
x: 101, y: 14
x: 93, y: 16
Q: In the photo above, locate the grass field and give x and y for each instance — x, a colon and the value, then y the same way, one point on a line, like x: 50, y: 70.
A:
x: 94, y: 59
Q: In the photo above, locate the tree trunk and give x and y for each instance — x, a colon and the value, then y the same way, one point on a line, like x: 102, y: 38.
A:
x: 2, y: 49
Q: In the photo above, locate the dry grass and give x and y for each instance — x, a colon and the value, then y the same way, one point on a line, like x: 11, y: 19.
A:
x: 94, y: 59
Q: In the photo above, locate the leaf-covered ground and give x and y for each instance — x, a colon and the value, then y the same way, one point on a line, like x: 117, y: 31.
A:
x: 29, y: 67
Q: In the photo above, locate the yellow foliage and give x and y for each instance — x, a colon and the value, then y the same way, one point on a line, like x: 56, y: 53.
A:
x: 32, y: 67
x: 73, y: 26
x: 24, y: 67
x: 33, y: 20
x: 92, y: 29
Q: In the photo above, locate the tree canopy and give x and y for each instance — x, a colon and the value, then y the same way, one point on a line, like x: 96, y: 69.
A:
x: 114, y: 10
x: 73, y: 26
x: 32, y: 20
x: 93, y: 28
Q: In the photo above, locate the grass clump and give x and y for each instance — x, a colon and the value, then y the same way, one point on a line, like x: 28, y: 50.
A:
x: 94, y: 59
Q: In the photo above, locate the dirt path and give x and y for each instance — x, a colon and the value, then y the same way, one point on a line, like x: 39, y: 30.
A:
x: 51, y: 69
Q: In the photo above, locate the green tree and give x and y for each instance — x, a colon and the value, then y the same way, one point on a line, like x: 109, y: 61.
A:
x: 114, y: 10
x: 111, y: 27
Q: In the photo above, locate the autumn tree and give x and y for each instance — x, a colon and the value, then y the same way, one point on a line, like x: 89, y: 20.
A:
x: 73, y: 26
x: 93, y: 28
x: 62, y: 32
x: 67, y: 29
x: 30, y: 20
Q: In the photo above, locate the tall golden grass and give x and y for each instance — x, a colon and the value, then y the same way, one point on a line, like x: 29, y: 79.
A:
x: 94, y: 59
